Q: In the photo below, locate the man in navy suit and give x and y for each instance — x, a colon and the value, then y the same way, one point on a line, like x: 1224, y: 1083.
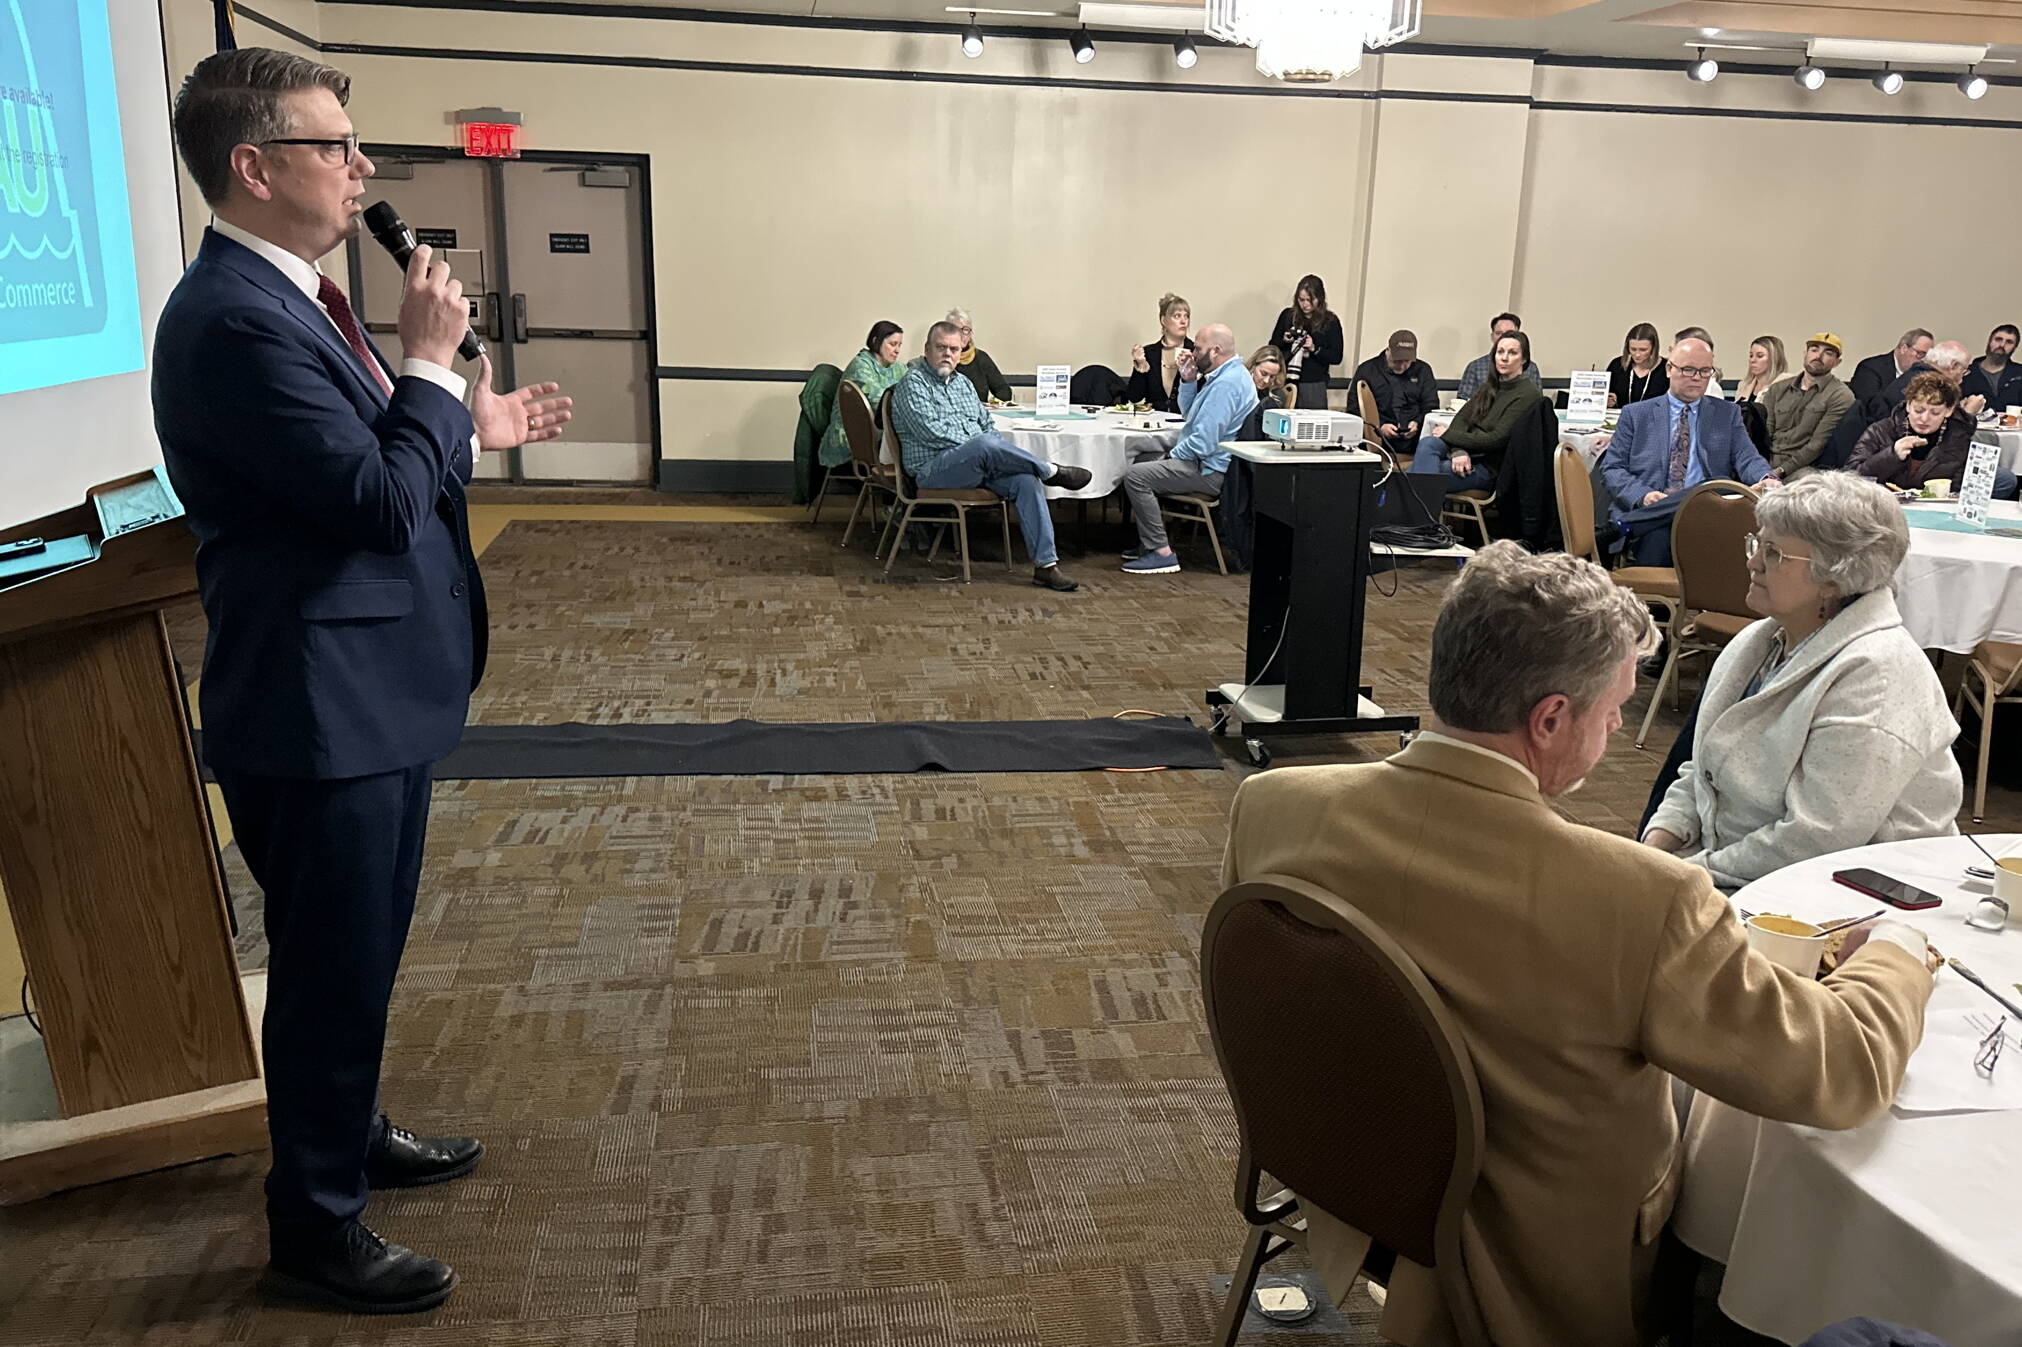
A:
x: 1663, y: 447
x: 347, y: 625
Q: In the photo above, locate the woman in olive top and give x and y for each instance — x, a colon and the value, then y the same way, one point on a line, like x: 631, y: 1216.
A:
x: 1311, y: 339
x: 1160, y: 385
x: 1637, y: 373
x: 873, y: 369
x: 976, y: 364
x: 1471, y: 450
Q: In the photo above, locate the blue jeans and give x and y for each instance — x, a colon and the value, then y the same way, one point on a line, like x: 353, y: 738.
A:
x: 2004, y: 484
x: 1003, y: 469
x: 1432, y: 456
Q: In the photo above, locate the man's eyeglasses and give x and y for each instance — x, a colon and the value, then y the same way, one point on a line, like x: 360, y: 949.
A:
x: 1691, y: 371
x: 348, y: 144
x: 1754, y: 545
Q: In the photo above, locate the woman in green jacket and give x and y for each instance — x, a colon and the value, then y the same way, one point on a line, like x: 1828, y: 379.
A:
x: 1471, y: 449
x: 874, y: 369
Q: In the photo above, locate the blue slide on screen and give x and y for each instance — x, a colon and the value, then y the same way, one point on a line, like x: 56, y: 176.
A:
x: 69, y: 309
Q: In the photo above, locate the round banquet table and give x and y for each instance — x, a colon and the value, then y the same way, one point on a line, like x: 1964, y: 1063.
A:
x: 1103, y: 442
x: 1914, y: 1217
x: 2009, y: 442
x: 1957, y: 589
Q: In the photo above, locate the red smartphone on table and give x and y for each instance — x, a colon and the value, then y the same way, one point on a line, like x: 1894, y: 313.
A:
x: 1894, y: 892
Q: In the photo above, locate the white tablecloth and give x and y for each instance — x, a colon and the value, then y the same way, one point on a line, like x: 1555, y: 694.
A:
x: 1104, y: 446
x: 2009, y: 440
x: 1915, y: 1217
x: 1959, y: 589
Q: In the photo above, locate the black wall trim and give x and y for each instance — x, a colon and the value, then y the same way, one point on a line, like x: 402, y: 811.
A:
x: 247, y: 12
x: 1778, y: 115
x: 1751, y: 68
x: 726, y: 475
x: 741, y: 375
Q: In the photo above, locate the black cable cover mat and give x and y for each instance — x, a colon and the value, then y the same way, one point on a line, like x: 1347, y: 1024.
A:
x: 756, y: 748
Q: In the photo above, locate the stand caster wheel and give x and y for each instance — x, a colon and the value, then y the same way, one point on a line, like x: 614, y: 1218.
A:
x: 1220, y: 728
x: 1260, y: 757
x: 1404, y: 738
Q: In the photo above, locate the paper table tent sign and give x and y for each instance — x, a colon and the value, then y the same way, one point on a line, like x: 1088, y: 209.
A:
x: 1587, y: 403
x: 1053, y: 387
x: 1976, y: 488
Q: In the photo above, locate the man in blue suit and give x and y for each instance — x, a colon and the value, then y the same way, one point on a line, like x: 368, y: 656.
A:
x: 1663, y: 447
x: 347, y: 625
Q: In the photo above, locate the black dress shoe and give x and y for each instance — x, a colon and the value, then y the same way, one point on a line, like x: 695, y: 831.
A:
x: 1049, y: 577
x: 352, y: 1268
x: 1071, y: 477
x: 408, y: 1161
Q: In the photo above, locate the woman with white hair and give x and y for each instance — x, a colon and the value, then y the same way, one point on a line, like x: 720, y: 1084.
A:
x: 975, y: 363
x: 1822, y: 726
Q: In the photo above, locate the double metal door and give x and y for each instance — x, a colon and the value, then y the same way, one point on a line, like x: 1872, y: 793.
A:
x: 552, y: 253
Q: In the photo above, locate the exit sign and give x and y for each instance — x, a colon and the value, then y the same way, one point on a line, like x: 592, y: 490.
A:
x: 491, y: 140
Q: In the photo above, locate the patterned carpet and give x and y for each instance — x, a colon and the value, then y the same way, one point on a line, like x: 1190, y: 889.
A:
x: 825, y: 1061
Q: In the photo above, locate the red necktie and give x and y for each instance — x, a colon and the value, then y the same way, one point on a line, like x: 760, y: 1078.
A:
x: 339, y: 308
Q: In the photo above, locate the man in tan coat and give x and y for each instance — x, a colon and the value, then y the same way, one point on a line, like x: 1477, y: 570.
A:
x: 1584, y: 970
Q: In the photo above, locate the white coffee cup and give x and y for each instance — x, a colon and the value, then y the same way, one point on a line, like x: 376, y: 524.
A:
x: 1788, y: 942
x: 2008, y: 885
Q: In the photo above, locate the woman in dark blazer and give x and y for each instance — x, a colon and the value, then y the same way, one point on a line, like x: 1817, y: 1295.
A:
x: 1311, y: 339
x: 1154, y: 367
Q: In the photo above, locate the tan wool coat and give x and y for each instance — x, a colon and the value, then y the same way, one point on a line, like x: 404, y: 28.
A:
x: 1584, y: 970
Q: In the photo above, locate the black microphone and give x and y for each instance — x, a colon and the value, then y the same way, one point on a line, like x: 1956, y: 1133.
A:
x: 394, y: 236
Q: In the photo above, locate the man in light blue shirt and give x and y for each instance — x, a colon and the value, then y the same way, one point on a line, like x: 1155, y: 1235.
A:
x: 1216, y: 394
x: 949, y: 443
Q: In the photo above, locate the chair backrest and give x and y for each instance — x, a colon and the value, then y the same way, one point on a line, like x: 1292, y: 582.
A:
x: 1095, y: 386
x: 1291, y: 396
x: 1707, y: 547
x: 1365, y: 402
x: 1351, y: 1082
x: 1575, y: 492
x: 858, y: 427
x: 893, y: 453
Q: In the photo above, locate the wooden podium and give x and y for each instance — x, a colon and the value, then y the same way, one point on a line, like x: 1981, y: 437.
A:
x: 109, y: 861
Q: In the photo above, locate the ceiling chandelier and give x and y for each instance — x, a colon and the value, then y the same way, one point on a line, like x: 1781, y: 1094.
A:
x: 1312, y: 41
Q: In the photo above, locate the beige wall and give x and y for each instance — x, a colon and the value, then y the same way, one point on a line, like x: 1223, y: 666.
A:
x: 792, y: 210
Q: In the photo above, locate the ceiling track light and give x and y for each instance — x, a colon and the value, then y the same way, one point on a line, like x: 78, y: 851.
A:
x: 972, y: 39
x: 1889, y: 81
x: 1973, y: 84
x: 1084, y: 47
x: 1702, y: 68
x: 1184, y: 55
x: 1809, y: 76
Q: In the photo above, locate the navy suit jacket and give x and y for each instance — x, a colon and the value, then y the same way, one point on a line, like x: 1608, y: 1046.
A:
x: 1638, y: 459
x: 347, y: 619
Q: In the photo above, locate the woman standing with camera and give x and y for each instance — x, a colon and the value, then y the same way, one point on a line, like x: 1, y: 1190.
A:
x: 1310, y: 337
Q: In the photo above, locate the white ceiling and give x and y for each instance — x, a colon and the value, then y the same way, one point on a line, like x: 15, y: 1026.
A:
x: 1595, y: 29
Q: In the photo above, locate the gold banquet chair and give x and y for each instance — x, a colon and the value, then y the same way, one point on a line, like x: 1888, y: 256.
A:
x: 862, y: 433
x: 1574, y: 486
x: 948, y: 508
x: 1707, y: 552
x: 1997, y: 667
x: 1351, y: 1082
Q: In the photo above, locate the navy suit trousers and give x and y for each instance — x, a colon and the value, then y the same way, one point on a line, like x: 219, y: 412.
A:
x: 339, y: 861
x: 1649, y: 540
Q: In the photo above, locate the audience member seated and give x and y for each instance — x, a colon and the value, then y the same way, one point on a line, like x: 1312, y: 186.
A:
x: 1404, y: 389
x: 977, y: 366
x: 1156, y: 386
x: 1926, y: 436
x: 873, y: 369
x: 1471, y: 449
x: 1872, y: 374
x: 949, y: 444
x: 1311, y: 339
x: 1216, y: 393
x: 1267, y: 373
x: 1984, y: 379
x: 1822, y: 726
x: 1637, y: 373
x: 1664, y: 447
x: 1802, y: 412
x: 1478, y: 369
x: 1584, y: 971
x: 1714, y: 388
x: 1949, y: 358
x: 1766, y: 366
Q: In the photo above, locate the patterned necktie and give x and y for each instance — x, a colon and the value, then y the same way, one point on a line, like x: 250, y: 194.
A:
x: 339, y: 308
x: 1681, y: 448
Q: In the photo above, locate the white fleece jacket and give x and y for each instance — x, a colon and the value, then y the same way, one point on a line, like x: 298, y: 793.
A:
x: 1849, y: 743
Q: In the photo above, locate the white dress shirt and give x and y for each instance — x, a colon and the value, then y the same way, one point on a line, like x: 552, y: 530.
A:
x: 1435, y: 737
x: 308, y: 278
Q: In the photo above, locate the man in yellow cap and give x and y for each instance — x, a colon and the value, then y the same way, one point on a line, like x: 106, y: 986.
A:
x: 1802, y: 412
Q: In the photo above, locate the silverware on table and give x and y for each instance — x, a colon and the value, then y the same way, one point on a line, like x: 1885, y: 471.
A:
x: 1977, y: 981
